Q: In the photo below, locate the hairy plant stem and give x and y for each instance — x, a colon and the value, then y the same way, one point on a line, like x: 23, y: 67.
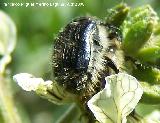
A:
x: 7, y: 105
x: 86, y: 114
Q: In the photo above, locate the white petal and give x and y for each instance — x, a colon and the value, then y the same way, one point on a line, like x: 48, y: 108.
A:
x: 117, y: 100
x: 27, y: 81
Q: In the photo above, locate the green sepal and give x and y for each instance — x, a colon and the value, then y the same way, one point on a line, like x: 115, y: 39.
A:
x: 151, y: 93
x: 156, y: 41
x: 136, y: 37
x: 117, y: 15
x: 157, y: 29
x: 149, y: 55
x: 137, y: 29
x: 144, y: 13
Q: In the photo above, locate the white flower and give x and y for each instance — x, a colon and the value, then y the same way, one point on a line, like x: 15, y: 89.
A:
x: 47, y: 89
x: 121, y: 94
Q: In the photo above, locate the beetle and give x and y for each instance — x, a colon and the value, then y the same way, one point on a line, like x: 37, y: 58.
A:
x: 84, y: 54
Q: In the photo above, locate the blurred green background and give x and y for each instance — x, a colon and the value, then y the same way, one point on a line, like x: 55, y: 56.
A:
x: 36, y: 29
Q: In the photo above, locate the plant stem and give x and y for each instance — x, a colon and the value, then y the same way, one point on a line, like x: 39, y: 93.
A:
x: 7, y: 106
x: 69, y: 115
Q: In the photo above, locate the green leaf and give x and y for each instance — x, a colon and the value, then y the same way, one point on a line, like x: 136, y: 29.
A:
x: 121, y: 94
x: 149, y: 78
x: 147, y: 74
